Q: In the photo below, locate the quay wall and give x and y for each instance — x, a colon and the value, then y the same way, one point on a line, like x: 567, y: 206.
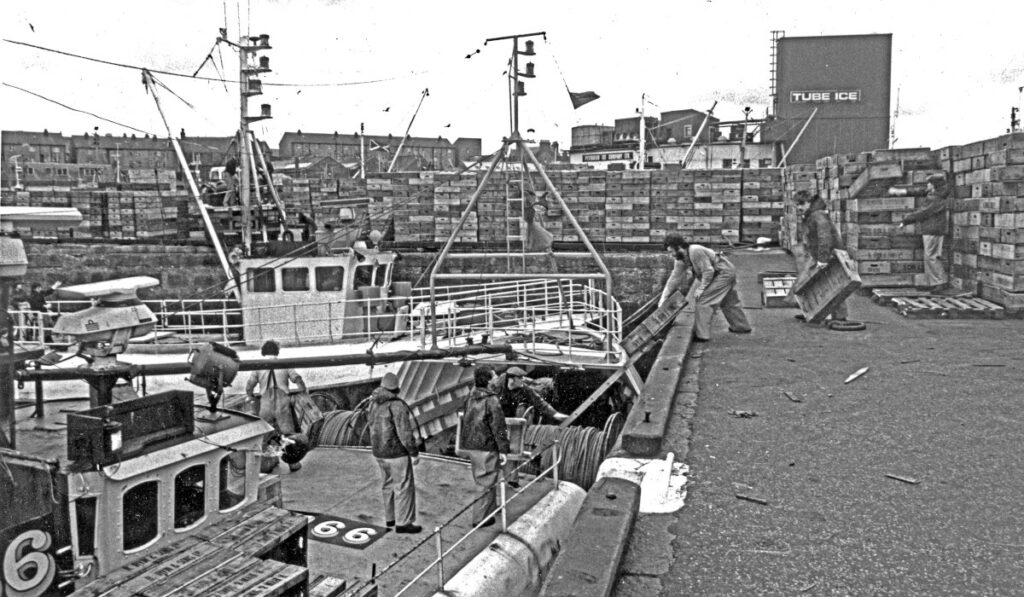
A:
x: 192, y: 271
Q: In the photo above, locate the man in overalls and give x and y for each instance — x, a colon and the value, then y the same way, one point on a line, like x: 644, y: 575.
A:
x: 716, y: 286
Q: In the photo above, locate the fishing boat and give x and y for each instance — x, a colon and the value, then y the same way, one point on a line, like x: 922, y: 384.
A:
x: 135, y: 485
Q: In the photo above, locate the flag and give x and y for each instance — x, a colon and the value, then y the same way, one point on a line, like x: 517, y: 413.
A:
x: 581, y: 98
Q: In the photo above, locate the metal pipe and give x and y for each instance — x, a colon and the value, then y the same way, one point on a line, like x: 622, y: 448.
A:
x: 451, y: 239
x: 572, y: 219
x: 440, y: 559
x: 689, y: 151
x: 517, y: 276
x: 573, y: 255
x: 782, y: 164
x: 280, y: 363
x: 504, y: 511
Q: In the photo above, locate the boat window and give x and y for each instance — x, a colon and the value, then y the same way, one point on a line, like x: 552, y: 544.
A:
x: 85, y: 520
x: 261, y: 279
x: 294, y: 278
x: 140, y: 514
x: 189, y: 496
x: 232, y: 480
x: 364, y: 276
x: 330, y: 279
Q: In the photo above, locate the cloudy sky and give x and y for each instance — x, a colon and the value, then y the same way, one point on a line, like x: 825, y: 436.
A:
x: 339, y: 63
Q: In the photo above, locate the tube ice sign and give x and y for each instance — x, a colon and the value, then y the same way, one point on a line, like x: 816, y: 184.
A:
x: 824, y: 97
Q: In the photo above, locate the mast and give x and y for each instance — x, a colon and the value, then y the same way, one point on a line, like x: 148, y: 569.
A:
x: 642, y: 159
x: 394, y: 159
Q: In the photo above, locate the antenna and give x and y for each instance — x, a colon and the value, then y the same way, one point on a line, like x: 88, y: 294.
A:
x: 518, y: 87
x: 892, y: 126
x: 773, y: 91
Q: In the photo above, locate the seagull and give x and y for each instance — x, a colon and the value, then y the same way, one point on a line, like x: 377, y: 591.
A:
x: 388, y: 108
x: 530, y: 131
x: 447, y: 125
x: 33, y: 28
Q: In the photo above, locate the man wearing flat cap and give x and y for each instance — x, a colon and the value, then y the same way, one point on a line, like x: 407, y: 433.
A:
x: 394, y: 440
x: 515, y: 397
x: 932, y: 222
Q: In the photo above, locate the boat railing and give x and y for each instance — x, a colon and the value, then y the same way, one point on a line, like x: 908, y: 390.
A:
x: 569, y: 314
x: 499, y: 514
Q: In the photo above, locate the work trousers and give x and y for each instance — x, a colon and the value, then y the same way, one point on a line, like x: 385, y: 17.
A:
x: 398, y: 488
x: 720, y: 293
x: 934, y: 273
x: 485, y: 474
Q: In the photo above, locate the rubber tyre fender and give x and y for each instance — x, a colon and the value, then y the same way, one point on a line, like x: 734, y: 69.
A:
x: 847, y: 326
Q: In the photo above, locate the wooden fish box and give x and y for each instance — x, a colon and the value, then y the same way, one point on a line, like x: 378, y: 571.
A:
x: 827, y: 287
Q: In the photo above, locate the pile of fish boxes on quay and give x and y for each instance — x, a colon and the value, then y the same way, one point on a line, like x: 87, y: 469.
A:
x: 106, y: 213
x: 988, y: 220
x: 586, y: 200
x: 797, y: 178
x: 627, y: 206
x: 411, y: 207
x: 856, y: 188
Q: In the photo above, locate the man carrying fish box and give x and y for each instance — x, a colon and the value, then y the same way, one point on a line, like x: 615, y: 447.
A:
x: 820, y: 237
x: 716, y: 286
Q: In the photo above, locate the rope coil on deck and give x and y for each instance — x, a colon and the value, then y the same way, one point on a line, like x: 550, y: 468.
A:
x: 582, y: 449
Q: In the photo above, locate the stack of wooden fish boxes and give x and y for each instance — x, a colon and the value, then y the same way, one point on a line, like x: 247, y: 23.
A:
x: 761, y: 204
x: 627, y: 207
x: 988, y: 223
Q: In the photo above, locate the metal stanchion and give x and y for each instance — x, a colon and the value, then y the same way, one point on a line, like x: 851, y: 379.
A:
x: 555, y: 460
x: 440, y: 559
x: 502, y: 488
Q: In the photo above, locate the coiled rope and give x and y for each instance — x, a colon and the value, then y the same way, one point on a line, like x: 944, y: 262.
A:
x: 582, y: 449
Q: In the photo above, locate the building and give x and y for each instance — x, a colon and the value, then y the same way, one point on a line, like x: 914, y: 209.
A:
x: 311, y: 167
x: 418, y: 153
x: 669, y: 139
x: 847, y: 78
x: 468, y: 149
x: 21, y: 149
x: 204, y: 153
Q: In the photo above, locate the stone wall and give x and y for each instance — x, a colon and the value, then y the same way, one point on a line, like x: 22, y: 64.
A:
x: 193, y: 271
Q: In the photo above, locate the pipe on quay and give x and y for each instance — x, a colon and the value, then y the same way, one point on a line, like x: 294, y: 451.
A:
x: 516, y: 561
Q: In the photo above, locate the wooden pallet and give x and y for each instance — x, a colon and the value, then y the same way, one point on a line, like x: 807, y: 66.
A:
x: 884, y: 296
x: 940, y: 307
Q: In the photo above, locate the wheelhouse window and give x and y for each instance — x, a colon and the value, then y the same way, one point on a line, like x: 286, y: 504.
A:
x: 261, y: 279
x: 189, y: 496
x: 364, y: 276
x: 232, y: 480
x: 294, y: 279
x: 85, y: 521
x: 330, y: 279
x: 140, y: 514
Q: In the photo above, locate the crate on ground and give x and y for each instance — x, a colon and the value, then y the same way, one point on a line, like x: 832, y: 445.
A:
x: 775, y: 287
x: 827, y: 287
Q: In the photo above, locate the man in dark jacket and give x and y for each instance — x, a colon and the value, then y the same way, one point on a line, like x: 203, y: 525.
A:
x: 820, y: 237
x: 515, y: 396
x: 395, y: 447
x: 932, y: 222
x: 485, y: 436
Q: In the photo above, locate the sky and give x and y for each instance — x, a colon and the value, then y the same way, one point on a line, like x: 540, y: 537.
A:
x: 338, y: 64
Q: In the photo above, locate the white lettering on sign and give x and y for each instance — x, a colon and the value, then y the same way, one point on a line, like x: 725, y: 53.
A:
x: 824, y: 96
x: 28, y: 568
x: 331, y: 528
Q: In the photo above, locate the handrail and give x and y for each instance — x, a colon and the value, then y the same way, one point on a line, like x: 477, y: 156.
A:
x: 501, y: 510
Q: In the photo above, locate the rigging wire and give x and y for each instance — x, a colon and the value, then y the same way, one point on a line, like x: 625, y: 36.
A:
x: 93, y: 114
x: 187, y: 76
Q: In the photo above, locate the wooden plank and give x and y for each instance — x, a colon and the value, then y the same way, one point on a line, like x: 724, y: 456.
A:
x: 326, y: 586
x: 245, y: 528
x: 278, y: 582
x: 271, y: 537
x: 125, y: 573
x: 206, y: 584
x: 175, y: 582
x: 224, y: 525
x: 248, y: 577
x: 180, y: 561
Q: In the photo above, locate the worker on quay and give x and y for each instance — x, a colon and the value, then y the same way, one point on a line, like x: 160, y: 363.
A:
x: 716, y: 286
x: 933, y: 222
x: 395, y: 445
x: 516, y: 397
x: 485, y: 436
x: 818, y: 236
x: 275, y: 407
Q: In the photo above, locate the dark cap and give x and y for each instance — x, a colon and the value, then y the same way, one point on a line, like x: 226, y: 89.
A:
x: 390, y: 382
